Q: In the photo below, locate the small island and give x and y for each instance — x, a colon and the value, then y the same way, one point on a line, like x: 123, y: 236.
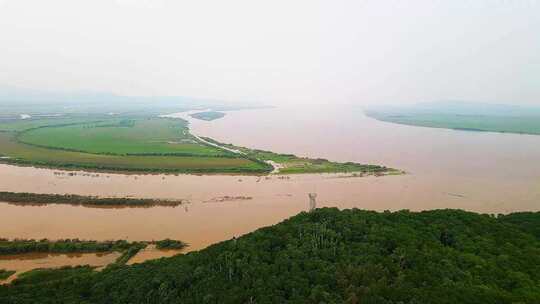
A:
x: 19, y: 246
x: 170, y: 244
x: 208, y: 116
x: 38, y: 199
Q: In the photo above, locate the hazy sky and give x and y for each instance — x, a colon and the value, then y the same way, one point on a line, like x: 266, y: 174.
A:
x: 294, y: 51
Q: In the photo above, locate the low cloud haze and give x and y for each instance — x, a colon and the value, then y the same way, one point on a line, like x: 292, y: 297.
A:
x: 277, y: 52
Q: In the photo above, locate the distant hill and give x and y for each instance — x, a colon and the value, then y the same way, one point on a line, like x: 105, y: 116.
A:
x: 459, y: 115
x: 329, y: 256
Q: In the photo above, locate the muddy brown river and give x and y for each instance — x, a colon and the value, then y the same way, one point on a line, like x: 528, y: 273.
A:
x: 477, y: 171
x: 28, y: 261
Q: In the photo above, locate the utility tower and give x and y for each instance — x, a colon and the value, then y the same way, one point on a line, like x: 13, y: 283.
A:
x: 312, y: 201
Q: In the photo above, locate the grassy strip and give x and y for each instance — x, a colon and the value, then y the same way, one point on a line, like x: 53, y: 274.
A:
x: 293, y: 164
x: 256, y: 169
x: 22, y: 198
x: 4, y: 274
x: 224, y: 154
x: 264, y: 166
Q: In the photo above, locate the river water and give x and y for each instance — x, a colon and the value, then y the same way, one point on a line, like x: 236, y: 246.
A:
x: 28, y: 261
x: 477, y: 171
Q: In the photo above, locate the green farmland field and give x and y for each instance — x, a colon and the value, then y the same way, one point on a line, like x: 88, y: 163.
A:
x: 26, y: 124
x: 125, y: 144
x: 32, y: 155
x: 122, y: 137
x: 145, y: 144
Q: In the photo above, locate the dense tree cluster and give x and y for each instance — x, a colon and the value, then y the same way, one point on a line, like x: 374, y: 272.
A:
x: 170, y: 244
x: 18, y: 246
x: 331, y: 256
x: 4, y: 274
x: 39, y: 275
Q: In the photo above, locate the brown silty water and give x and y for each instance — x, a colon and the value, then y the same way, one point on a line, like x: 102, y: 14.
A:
x: 25, y: 262
x: 482, y: 172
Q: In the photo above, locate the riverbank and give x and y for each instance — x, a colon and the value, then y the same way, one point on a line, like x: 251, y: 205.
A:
x: 480, y: 172
x: 162, y: 144
x: 289, y: 163
x: 130, y: 143
x: 463, y: 116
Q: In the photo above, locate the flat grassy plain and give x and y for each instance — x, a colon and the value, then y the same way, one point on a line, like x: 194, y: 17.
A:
x: 518, y: 125
x: 292, y: 164
x: 116, y: 144
x: 152, y: 136
x: 26, y: 124
x: 464, y: 116
x: 145, y: 144
x: 23, y: 154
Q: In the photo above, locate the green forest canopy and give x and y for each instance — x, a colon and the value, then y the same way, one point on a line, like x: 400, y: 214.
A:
x: 331, y: 256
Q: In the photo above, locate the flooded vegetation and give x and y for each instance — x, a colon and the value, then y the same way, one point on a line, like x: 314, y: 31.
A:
x: 21, y: 263
x: 35, y: 199
x: 151, y: 252
x: 33, y: 252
